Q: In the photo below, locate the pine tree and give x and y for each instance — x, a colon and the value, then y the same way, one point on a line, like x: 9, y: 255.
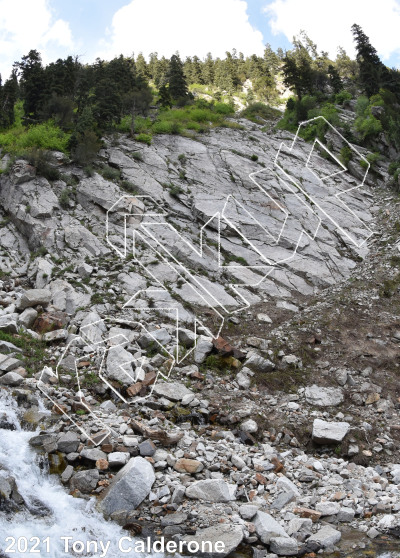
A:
x: 164, y: 100
x: 33, y: 82
x: 372, y: 72
x: 176, y: 79
x: 334, y: 77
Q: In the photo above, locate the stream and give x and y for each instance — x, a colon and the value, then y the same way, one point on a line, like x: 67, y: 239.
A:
x: 49, y: 514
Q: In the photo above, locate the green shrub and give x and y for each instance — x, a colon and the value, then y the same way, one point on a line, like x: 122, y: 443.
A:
x: 110, y: 173
x: 346, y: 154
x: 342, y: 97
x: 138, y: 155
x: 64, y: 198
x: 144, y: 138
x: 257, y: 111
x: 175, y: 191
x: 46, y: 136
x: 254, y: 157
x: 128, y: 186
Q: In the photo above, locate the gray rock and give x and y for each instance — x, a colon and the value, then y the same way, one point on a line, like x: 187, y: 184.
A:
x: 9, y: 324
x: 238, y: 462
x: 229, y: 537
x: 147, y: 448
x: 323, y: 396
x: 174, y: 519
x: 33, y: 297
x: 119, y: 366
x: 129, y: 487
x: 153, y: 337
x: 284, y: 546
x: 85, y: 481
x: 327, y: 508
x: 8, y: 363
x: 57, y: 335
x: 210, y: 490
x: 172, y: 391
x: 258, y: 363
x: 204, y: 346
x: 108, y: 406
x: 325, y: 537
x: 7, y: 347
x: 345, y: 515
x: 267, y: 527
x: 329, y: 432
x: 85, y: 270
x: 93, y: 454
x: 341, y: 376
x: 118, y: 458
x: 250, y: 426
x: 248, y: 511
x: 67, y: 474
x: 68, y: 442
x: 186, y: 337
x: 11, y: 379
x: 282, y: 500
x: 28, y: 317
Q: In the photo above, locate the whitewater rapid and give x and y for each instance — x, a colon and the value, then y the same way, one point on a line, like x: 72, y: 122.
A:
x: 55, y: 514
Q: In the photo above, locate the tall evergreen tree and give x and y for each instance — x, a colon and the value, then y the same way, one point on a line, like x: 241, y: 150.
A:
x: 177, y: 84
x: 372, y: 72
x: 33, y: 82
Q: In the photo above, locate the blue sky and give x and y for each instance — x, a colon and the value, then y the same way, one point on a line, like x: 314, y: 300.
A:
x: 105, y: 28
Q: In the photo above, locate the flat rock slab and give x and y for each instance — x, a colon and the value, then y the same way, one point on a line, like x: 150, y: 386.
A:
x: 173, y: 391
x: 329, y: 432
x: 324, y: 396
x: 325, y: 537
x: 210, y: 490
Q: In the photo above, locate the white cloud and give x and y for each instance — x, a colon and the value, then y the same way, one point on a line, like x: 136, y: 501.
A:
x: 192, y: 27
x: 328, y: 24
x: 27, y: 25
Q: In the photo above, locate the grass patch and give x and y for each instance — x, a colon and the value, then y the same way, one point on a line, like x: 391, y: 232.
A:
x: 259, y: 111
x: 19, y: 140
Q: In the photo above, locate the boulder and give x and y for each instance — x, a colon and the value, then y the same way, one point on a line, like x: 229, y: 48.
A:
x: 153, y: 338
x: 28, y: 317
x: 326, y: 537
x: 324, y: 396
x: 85, y: 481
x: 267, y: 527
x: 129, y: 487
x: 284, y: 546
x: 11, y: 379
x: 258, y: 363
x: 33, y: 297
x: 172, y: 391
x: 190, y: 466
x: 210, y: 490
x: 204, y: 346
x: 118, y: 458
x: 329, y: 432
x: 68, y: 442
x: 229, y: 538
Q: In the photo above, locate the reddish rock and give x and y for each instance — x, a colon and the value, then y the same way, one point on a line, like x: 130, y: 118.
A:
x: 102, y: 464
x: 83, y: 364
x: 261, y: 479
x: 191, y: 466
x: 50, y: 321
x: 222, y: 346
x: 107, y: 448
x: 59, y: 409
x: 279, y: 466
x: 149, y: 379
x: 134, y: 389
x: 307, y: 513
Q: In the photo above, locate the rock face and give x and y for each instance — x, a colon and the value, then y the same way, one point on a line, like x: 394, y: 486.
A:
x: 129, y: 488
x: 329, y: 432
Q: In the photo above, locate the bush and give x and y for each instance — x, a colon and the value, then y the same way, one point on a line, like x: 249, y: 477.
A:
x: 42, y: 160
x: 46, y: 136
x: 343, y: 97
x: 110, y: 174
x: 138, y: 155
x: 87, y: 147
x: 346, y: 154
x: 64, y: 198
x: 144, y: 138
x: 257, y: 111
x: 254, y: 157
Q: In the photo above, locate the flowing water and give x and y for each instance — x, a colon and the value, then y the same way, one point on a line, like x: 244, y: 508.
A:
x: 49, y: 513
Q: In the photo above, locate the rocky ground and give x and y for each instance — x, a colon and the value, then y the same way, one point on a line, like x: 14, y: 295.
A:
x: 271, y: 417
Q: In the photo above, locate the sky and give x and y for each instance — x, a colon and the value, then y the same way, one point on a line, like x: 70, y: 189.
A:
x: 107, y: 28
